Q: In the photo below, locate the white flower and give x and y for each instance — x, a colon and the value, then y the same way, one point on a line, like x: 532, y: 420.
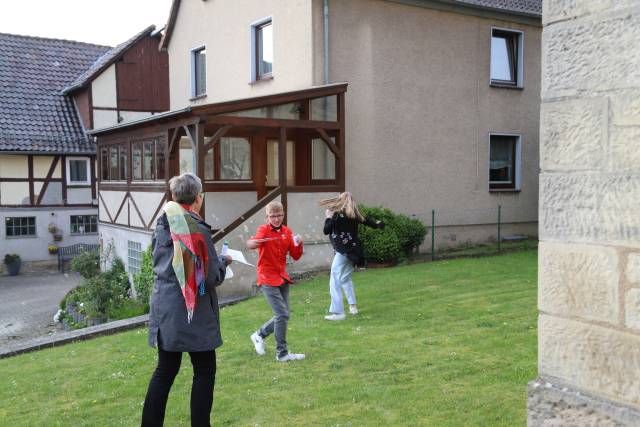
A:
x: 56, y: 317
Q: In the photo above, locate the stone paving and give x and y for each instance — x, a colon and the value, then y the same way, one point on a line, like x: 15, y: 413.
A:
x: 28, y: 303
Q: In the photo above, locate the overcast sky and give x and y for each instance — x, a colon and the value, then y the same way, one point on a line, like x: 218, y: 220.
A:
x: 105, y: 22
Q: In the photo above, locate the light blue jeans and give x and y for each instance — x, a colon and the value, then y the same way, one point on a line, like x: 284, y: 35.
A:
x: 340, y: 280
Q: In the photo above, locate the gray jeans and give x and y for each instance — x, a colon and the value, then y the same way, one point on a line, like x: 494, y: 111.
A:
x: 278, y: 299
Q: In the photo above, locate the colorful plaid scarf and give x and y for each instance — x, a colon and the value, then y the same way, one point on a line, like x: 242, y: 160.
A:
x: 190, y: 254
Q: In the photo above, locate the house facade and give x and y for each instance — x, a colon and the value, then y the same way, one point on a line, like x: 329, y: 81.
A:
x: 53, y: 91
x: 414, y: 105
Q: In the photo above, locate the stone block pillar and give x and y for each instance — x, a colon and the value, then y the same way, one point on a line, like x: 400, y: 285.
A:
x: 589, y: 257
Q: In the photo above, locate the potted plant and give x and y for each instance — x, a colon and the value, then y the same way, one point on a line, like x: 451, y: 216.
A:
x: 13, y: 263
x: 53, y: 249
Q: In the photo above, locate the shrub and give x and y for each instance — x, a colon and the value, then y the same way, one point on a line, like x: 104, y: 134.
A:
x: 11, y: 258
x: 143, y: 281
x: 87, y: 264
x: 380, y: 245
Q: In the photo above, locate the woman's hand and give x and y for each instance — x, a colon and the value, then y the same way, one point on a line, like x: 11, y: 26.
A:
x: 328, y: 213
x: 228, y: 259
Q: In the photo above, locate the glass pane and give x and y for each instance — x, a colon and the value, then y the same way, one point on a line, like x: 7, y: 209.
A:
x: 104, y: 156
x: 235, y: 159
x: 501, y: 159
x: 124, y: 163
x: 148, y: 160
x: 265, y: 49
x: 201, y: 71
x: 136, y: 159
x: 272, y: 163
x: 160, y: 166
x: 186, y: 155
x: 208, y: 165
x: 291, y: 111
x: 325, y: 109
x: 323, y: 162
x: 114, y: 163
x: 502, y: 58
x: 78, y: 170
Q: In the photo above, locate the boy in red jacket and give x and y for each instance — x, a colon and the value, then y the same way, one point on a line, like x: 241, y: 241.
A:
x: 273, y: 241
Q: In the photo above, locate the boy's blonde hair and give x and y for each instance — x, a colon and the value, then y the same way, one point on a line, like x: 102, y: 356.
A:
x: 343, y: 203
x: 274, y: 206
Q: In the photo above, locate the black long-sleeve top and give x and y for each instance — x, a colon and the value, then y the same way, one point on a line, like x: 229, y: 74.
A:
x: 343, y: 232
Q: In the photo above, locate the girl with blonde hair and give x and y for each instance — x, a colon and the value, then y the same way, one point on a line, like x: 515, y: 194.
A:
x: 341, y: 224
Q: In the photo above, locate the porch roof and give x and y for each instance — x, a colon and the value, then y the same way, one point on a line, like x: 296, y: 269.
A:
x: 224, y: 107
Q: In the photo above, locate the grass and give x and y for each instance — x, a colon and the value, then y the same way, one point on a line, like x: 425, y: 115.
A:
x: 449, y: 343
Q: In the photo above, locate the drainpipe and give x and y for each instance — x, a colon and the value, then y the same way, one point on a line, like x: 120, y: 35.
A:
x: 325, y: 16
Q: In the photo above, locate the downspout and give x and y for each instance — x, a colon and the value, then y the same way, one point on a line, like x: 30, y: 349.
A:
x: 325, y: 28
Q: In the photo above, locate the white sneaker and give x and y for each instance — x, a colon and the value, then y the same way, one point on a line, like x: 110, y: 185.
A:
x: 258, y: 343
x: 334, y: 316
x: 353, y: 309
x: 290, y: 356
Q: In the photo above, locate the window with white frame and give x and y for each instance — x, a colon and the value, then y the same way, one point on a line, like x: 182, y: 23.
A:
x: 134, y: 256
x: 198, y: 71
x: 78, y: 171
x: 507, y: 57
x: 504, y: 162
x: 262, y: 49
x: 20, y: 226
x: 83, y: 224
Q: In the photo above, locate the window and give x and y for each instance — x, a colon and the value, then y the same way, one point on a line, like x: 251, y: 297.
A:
x: 134, y: 256
x: 262, y: 50
x: 114, y: 162
x: 198, y: 71
x: 78, y: 172
x: 323, y: 162
x: 147, y: 161
x: 84, y: 224
x: 235, y: 159
x: 504, y: 154
x: 20, y: 226
x: 506, y: 57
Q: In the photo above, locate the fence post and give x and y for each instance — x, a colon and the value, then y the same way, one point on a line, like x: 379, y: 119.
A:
x: 433, y: 234
x: 499, y: 214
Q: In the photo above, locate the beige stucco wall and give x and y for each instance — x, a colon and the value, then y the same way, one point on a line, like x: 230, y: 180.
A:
x: 103, y: 89
x: 419, y: 108
x: 13, y: 166
x: 224, y: 28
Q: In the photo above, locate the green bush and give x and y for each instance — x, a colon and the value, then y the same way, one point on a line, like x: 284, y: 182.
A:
x: 87, y: 264
x: 401, y: 235
x: 128, y: 308
x: 143, y: 281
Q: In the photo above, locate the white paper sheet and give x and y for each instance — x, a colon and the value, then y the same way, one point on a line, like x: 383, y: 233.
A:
x: 238, y: 256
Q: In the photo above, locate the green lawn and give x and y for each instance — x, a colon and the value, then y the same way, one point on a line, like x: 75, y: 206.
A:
x: 450, y: 343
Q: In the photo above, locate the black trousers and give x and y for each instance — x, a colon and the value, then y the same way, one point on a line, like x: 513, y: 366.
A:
x: 204, y: 378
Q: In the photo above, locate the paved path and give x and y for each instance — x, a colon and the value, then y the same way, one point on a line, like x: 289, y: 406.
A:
x: 28, y: 304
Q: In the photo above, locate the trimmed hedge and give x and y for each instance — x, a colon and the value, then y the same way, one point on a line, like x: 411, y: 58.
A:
x: 400, y: 237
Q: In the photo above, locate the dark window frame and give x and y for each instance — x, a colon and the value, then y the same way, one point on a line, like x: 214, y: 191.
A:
x: 128, y: 146
x: 198, y: 54
x: 514, y: 43
x: 257, y: 48
x: 30, y: 225
x: 513, y: 185
x: 86, y: 221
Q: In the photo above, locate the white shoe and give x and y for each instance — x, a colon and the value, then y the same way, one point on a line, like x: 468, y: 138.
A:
x: 353, y: 309
x: 290, y: 356
x: 335, y: 317
x: 258, y: 343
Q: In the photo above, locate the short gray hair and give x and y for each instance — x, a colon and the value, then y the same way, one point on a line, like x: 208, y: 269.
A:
x: 185, y: 188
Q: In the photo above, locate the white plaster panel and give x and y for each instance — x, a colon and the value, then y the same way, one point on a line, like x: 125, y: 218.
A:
x: 104, y: 118
x: 53, y: 194
x: 130, y: 116
x: 13, y: 166
x: 112, y: 201
x: 119, y: 237
x: 37, y: 188
x: 590, y: 208
x: 222, y: 208
x: 556, y: 10
x: 578, y: 280
x: 625, y: 151
x: 123, y: 218
x: 41, y: 166
x: 632, y: 309
x: 603, y: 361
x: 591, y: 54
x: 35, y: 248
x: 147, y: 202
x: 625, y: 108
x: 573, y: 134
x: 14, y: 193
x: 79, y: 195
x: 135, y: 220
x: 633, y: 268
x: 103, y: 89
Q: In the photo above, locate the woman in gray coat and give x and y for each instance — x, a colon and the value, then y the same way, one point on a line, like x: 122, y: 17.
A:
x: 181, y: 320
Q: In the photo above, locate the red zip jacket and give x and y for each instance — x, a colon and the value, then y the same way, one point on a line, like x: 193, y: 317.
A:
x: 272, y: 255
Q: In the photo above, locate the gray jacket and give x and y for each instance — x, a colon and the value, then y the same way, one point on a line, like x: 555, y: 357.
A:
x: 168, y: 314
